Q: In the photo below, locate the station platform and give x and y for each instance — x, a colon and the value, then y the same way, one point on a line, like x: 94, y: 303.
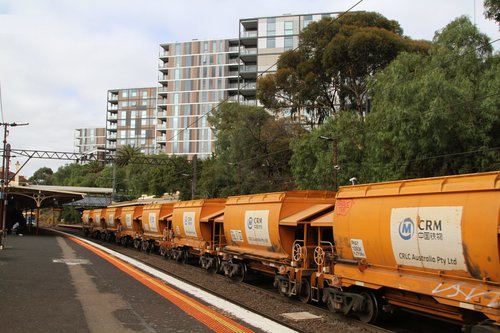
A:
x: 61, y: 283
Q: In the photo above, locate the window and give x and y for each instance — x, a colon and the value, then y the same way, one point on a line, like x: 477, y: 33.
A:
x: 133, y: 93
x: 144, y: 121
x: 143, y: 133
x: 288, y: 43
x: 271, y: 26
x: 133, y: 114
x: 132, y: 133
x: 123, y: 122
x: 271, y: 42
x: 124, y: 104
x: 123, y: 114
x: 123, y: 142
x: 125, y: 93
x: 144, y: 114
x: 307, y: 19
x: 132, y: 123
x: 144, y: 103
x: 132, y: 103
x: 288, y: 27
x: 144, y: 94
x: 122, y: 134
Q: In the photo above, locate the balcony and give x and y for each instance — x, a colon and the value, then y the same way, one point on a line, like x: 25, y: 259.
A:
x: 233, y: 73
x: 248, y: 86
x: 113, y: 98
x: 112, y: 135
x: 162, y: 101
x: 161, y: 139
x: 164, y: 53
x: 162, y: 114
x: 249, y: 34
x: 161, y: 127
x: 232, y: 86
x: 113, y: 107
x: 233, y: 49
x: 162, y: 78
x: 162, y: 91
x: 248, y: 69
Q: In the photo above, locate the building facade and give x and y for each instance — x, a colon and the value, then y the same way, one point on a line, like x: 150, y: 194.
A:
x: 90, y: 140
x: 261, y: 42
x: 131, y: 119
x: 195, y: 76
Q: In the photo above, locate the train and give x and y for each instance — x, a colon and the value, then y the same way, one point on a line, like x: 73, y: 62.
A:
x: 429, y: 245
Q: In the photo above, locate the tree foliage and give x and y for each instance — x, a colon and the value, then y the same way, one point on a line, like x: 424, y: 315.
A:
x: 492, y: 10
x: 437, y: 114
x: 313, y: 157
x: 42, y: 176
x: 251, y: 152
x: 329, y: 71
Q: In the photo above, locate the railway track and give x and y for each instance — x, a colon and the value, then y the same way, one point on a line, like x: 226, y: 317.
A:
x: 257, y: 296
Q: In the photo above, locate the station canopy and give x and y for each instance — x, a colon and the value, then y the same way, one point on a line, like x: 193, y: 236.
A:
x: 43, y: 196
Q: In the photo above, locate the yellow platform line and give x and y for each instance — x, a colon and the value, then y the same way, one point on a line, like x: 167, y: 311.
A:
x: 204, y: 314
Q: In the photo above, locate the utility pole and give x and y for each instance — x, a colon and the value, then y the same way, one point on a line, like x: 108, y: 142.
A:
x: 5, y: 177
x: 334, y: 160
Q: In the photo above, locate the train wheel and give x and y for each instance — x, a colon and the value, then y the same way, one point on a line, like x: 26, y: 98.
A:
x: 123, y: 241
x: 370, y: 311
x: 242, y: 273
x: 137, y: 244
x: 163, y: 251
x: 304, y: 294
x: 145, y: 246
x: 185, y: 257
x: 216, y: 267
x: 108, y: 237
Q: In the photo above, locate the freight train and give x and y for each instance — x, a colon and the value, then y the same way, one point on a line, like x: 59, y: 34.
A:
x: 425, y: 245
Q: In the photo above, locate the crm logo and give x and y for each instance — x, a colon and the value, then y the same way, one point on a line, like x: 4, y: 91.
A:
x: 250, y: 222
x: 406, y: 228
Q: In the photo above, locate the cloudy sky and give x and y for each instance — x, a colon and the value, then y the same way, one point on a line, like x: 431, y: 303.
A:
x: 58, y: 58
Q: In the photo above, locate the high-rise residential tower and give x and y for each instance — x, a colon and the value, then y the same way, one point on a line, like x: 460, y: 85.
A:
x: 195, y: 76
x: 131, y: 119
x: 90, y: 140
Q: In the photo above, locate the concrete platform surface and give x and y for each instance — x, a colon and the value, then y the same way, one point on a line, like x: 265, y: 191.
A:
x: 50, y: 283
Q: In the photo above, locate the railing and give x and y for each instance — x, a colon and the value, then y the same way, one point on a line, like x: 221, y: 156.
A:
x: 233, y: 73
x: 233, y: 49
x: 161, y: 114
x: 248, y: 69
x: 113, y: 107
x: 248, y: 51
x: 113, y: 97
x: 161, y: 139
x: 249, y: 85
x: 162, y: 101
x: 161, y: 126
x: 163, y: 89
x: 249, y: 34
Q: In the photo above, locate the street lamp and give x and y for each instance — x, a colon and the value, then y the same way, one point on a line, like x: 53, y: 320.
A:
x: 336, y: 167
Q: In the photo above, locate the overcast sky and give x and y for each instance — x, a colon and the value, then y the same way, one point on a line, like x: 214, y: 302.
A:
x: 58, y: 58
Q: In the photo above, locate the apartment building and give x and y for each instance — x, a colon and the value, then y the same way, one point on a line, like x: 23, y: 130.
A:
x: 261, y: 41
x: 195, y: 76
x: 131, y: 119
x: 90, y: 140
